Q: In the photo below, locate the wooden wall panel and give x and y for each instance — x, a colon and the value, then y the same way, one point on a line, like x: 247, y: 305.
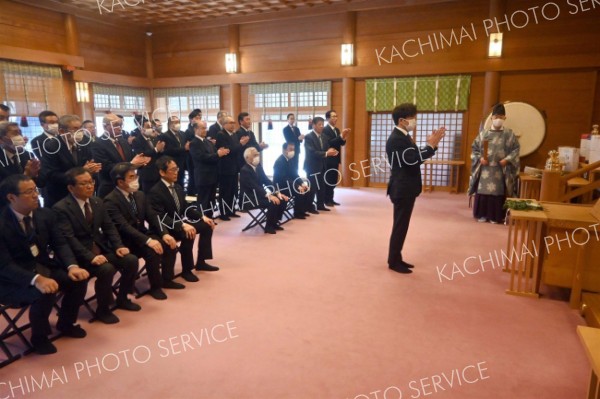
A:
x: 596, y: 107
x: 28, y: 27
x: 226, y: 100
x: 112, y: 50
x: 474, y: 116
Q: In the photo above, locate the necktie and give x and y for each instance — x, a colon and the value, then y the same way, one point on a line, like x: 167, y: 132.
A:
x: 120, y: 150
x: 28, y: 226
x: 411, y: 138
x: 74, y: 153
x: 15, y: 159
x: 321, y: 141
x: 133, y: 205
x: 175, y: 197
x: 87, y: 212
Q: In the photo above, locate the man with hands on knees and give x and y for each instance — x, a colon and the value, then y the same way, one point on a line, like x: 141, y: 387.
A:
x: 405, y: 159
x: 96, y: 243
x: 29, y: 273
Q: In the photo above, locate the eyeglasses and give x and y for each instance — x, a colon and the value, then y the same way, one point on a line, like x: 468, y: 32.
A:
x: 176, y: 169
x: 30, y: 192
x: 86, y: 183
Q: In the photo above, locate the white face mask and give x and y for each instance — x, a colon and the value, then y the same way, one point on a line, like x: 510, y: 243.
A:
x: 256, y: 161
x: 53, y: 128
x: 18, y: 141
x: 176, y: 127
x: 134, y: 185
x: 497, y: 123
x: 412, y: 124
x: 291, y: 154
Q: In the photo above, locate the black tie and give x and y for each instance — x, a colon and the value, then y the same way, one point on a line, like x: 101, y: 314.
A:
x: 321, y: 142
x: 133, y: 205
x: 28, y: 226
x: 175, y: 198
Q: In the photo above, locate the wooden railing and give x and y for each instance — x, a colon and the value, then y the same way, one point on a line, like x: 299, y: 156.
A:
x: 557, y: 188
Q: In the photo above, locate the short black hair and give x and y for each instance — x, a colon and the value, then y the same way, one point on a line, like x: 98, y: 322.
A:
x: 242, y: 115
x: 44, y: 114
x: 10, y: 185
x: 120, y: 116
x: 328, y: 114
x: 140, y: 120
x: 119, y: 171
x: 285, y: 145
x: 317, y: 119
x: 404, y: 111
x: 163, y: 162
x: 288, y: 116
x: 86, y: 121
x: 72, y: 174
x: 5, y: 108
x: 194, y: 113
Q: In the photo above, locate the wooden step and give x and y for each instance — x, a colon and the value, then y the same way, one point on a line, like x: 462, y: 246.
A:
x: 590, y: 309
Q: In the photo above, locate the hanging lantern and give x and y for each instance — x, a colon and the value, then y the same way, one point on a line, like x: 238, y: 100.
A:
x: 270, y: 125
x: 24, y: 122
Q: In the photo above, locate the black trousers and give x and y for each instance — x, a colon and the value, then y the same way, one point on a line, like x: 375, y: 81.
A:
x: 186, y: 249
x: 403, y: 208
x: 301, y: 203
x: 228, y: 187
x: 127, y: 266
x: 317, y: 187
x: 191, y: 188
x: 41, y: 304
x: 153, y: 262
x: 331, y: 177
x: 207, y: 196
x: 274, y: 211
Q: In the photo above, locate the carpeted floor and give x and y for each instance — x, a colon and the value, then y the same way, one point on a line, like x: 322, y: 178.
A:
x: 314, y: 312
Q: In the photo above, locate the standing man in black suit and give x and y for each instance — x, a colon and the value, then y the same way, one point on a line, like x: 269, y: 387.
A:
x: 229, y: 168
x: 175, y: 146
x: 317, y: 153
x: 405, y: 158
x: 96, y: 243
x: 29, y: 274
x: 181, y: 221
x: 292, y: 135
x: 334, y: 139
x: 60, y: 154
x: 253, y: 193
x: 194, y: 117
x: 245, y: 124
x: 110, y: 149
x: 130, y: 212
x: 216, y: 127
x: 49, y: 123
x: 147, y: 144
x: 14, y: 159
x: 4, y: 113
x: 288, y: 181
x: 205, y: 157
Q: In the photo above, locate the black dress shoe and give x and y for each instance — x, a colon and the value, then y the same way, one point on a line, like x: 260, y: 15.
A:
x: 126, y: 304
x: 72, y: 331
x: 278, y: 228
x: 314, y: 212
x: 329, y: 204
x: 234, y: 215
x: 401, y: 269
x: 173, y: 285
x: 336, y: 203
x: 42, y: 345
x: 189, y: 277
x: 324, y: 209
x: 206, y: 267
x: 408, y: 265
x: 158, y: 294
x: 107, y: 317
x: 224, y: 217
x: 299, y: 216
x: 270, y: 230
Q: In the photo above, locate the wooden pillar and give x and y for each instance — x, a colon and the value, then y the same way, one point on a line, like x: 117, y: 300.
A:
x: 491, y: 95
x: 235, y: 105
x: 348, y: 99
x: 552, y: 187
x: 72, y: 45
x: 150, y: 68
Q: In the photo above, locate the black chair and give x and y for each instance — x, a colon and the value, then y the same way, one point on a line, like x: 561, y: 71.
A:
x: 259, y: 218
x: 12, y: 315
x: 287, y: 213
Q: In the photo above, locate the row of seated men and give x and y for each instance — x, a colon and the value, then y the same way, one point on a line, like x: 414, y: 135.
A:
x: 44, y: 250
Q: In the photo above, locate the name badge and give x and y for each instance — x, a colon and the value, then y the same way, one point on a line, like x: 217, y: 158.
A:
x: 34, y: 250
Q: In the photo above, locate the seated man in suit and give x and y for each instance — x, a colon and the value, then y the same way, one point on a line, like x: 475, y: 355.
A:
x: 287, y: 180
x: 147, y: 144
x: 96, y: 243
x: 129, y: 212
x: 254, y: 195
x: 110, y: 149
x: 205, y: 157
x: 29, y: 274
x: 167, y: 198
x: 14, y: 159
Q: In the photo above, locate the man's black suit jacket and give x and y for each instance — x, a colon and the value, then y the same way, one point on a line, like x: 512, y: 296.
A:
x: 333, y: 139
x: 105, y: 152
x: 405, y: 158
x: 285, y: 176
x: 132, y: 227
x: 141, y: 145
x: 7, y: 168
x: 314, y: 161
x: 175, y: 149
x: 163, y: 204
x: 206, y: 161
x: 18, y: 268
x: 291, y: 136
x: 228, y: 164
x: 213, y: 130
x: 80, y: 235
x: 251, y: 143
x: 56, y: 160
x: 252, y: 187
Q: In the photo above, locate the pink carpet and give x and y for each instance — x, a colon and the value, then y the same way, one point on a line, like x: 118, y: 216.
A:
x: 314, y: 312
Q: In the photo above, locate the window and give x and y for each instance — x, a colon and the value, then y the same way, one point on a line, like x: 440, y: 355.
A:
x: 181, y: 101
x: 120, y: 100
x: 448, y: 150
x: 274, y: 137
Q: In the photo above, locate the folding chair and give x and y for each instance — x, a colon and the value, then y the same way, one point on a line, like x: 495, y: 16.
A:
x: 12, y: 315
x: 259, y: 218
x: 287, y: 213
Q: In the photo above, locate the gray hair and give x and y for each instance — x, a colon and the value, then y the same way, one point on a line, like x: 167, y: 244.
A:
x: 249, y: 153
x: 4, y: 126
x: 65, y: 120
